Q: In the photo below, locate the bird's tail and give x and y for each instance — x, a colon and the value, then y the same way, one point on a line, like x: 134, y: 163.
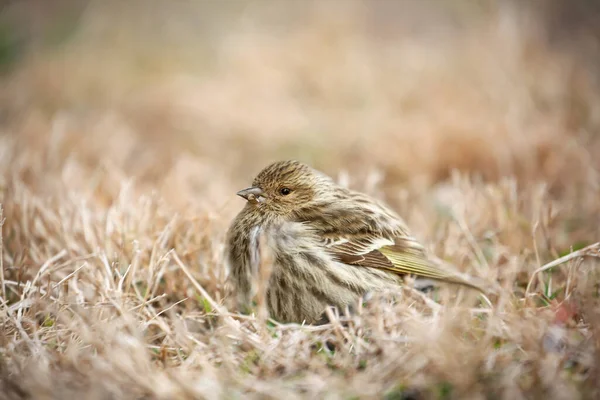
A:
x: 417, y: 264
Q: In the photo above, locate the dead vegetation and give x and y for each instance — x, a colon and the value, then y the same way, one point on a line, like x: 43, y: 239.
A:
x: 122, y: 148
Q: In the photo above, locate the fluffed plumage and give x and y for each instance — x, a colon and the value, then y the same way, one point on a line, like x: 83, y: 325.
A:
x: 330, y: 245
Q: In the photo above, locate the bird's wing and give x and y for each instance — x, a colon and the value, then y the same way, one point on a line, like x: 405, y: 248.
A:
x: 394, y: 252
x: 356, y: 230
x: 367, y: 234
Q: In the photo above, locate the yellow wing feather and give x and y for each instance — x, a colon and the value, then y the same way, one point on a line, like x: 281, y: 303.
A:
x: 410, y: 263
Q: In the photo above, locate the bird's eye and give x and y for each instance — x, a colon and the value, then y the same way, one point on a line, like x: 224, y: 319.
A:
x: 285, y: 191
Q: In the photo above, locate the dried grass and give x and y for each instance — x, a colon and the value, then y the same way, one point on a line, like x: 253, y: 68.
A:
x: 117, y: 186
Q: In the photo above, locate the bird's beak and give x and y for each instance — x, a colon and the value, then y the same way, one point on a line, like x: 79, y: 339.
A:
x: 252, y: 194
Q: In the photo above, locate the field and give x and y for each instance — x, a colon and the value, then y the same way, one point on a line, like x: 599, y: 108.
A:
x: 127, y: 128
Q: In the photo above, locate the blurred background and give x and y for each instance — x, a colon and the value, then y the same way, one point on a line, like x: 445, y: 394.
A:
x: 193, y: 98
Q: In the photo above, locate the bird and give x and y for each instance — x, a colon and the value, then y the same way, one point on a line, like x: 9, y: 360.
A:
x: 329, y: 246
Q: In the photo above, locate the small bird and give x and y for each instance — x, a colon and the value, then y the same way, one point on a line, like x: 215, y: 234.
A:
x: 329, y: 245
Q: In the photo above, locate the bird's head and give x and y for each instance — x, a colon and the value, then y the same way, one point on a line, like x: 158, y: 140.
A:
x: 285, y: 187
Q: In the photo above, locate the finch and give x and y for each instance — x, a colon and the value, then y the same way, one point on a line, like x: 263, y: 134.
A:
x: 329, y: 245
